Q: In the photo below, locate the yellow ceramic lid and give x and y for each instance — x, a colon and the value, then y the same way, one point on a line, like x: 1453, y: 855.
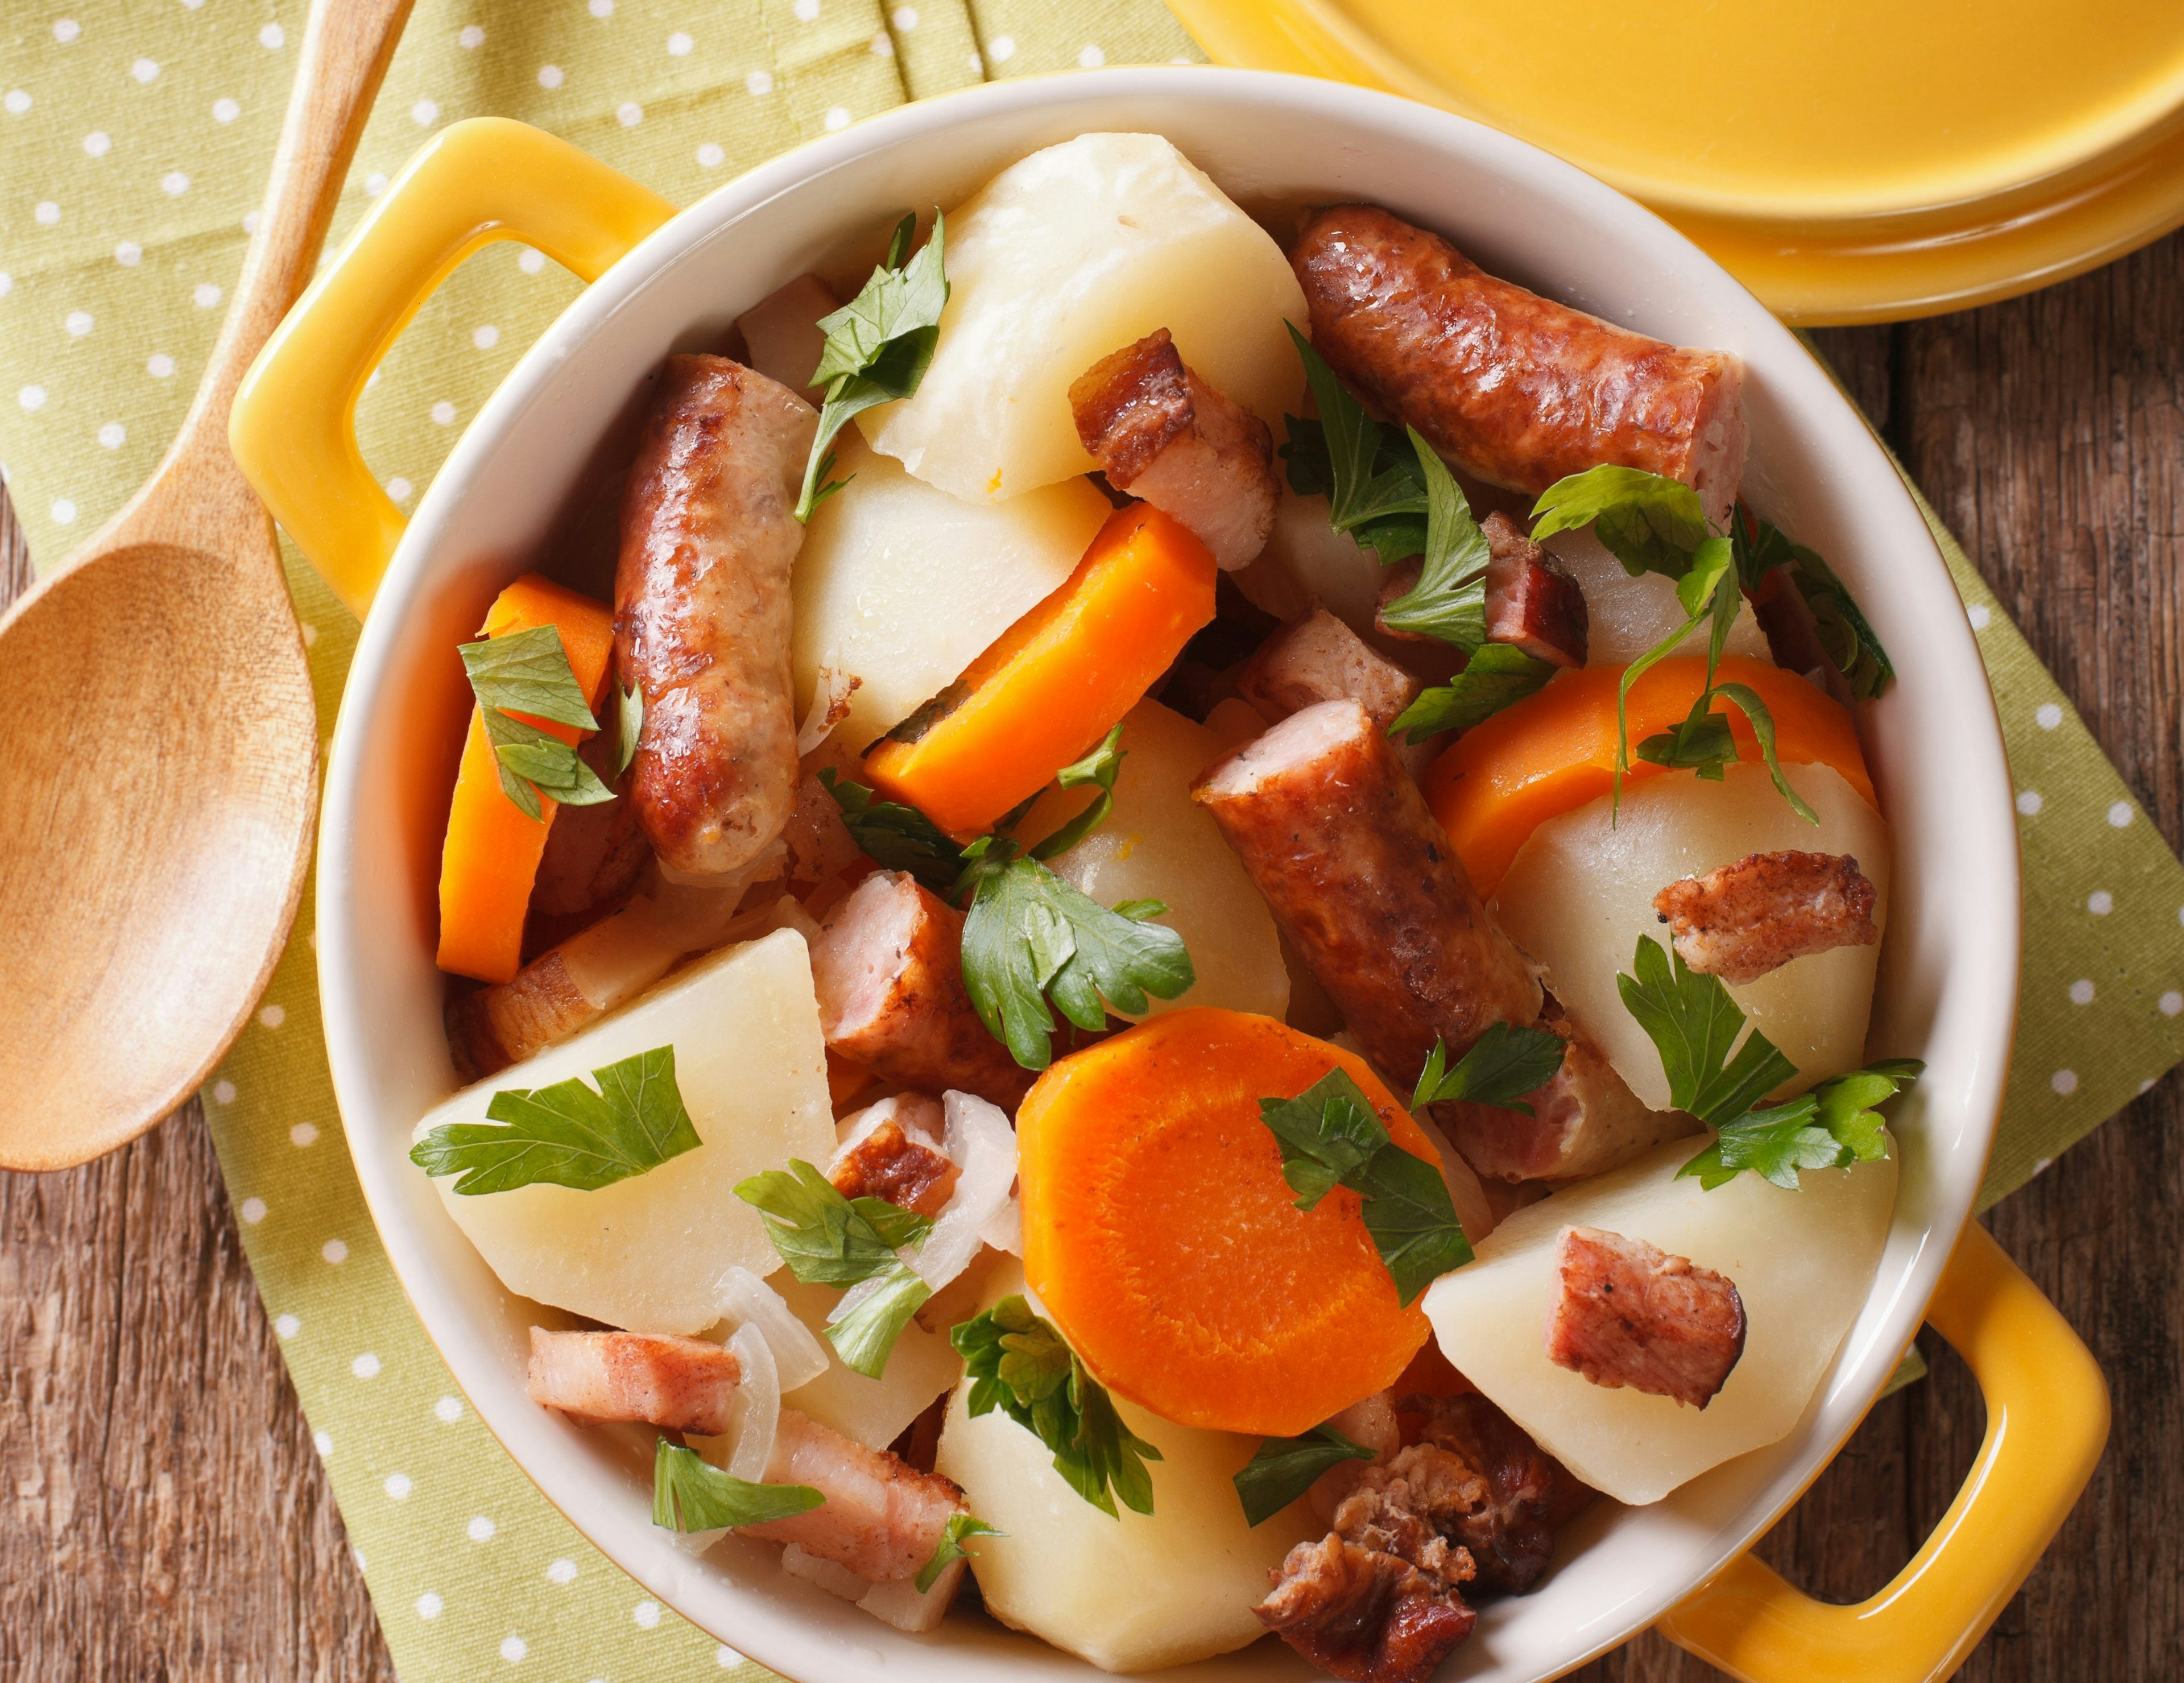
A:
x: 1848, y: 160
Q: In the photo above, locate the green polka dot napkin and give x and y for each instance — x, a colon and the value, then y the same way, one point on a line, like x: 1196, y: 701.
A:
x: 135, y: 135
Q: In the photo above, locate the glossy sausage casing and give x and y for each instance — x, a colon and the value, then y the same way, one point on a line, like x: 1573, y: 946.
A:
x: 702, y: 610
x: 1514, y: 388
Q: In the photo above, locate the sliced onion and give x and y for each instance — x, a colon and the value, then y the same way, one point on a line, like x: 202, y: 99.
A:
x: 749, y: 1300
x: 982, y: 1146
x: 1003, y: 1229
x: 829, y: 1575
x: 830, y: 705
x: 757, y: 1411
x: 900, y: 1604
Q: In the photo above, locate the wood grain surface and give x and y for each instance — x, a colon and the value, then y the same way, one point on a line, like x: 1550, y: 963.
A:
x: 164, y: 1516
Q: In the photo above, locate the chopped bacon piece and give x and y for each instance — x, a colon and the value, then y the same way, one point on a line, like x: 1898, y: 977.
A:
x: 492, y: 1027
x: 1364, y: 1616
x: 881, y: 1518
x: 1159, y: 432
x: 1741, y: 921
x: 1532, y: 601
x: 892, y: 1150
x: 1317, y: 658
x: 1628, y: 1313
x: 681, y: 1385
x: 888, y: 970
x: 1526, y: 1493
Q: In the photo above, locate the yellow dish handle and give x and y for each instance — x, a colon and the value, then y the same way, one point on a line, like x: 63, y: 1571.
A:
x: 2047, y: 1420
x: 293, y: 425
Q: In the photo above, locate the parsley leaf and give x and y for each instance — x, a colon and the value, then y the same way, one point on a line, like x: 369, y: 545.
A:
x: 878, y: 348
x: 950, y: 1549
x: 1100, y: 766
x: 1747, y: 702
x: 1330, y: 1137
x: 1506, y: 1063
x: 1649, y: 523
x: 1031, y: 937
x: 690, y: 1493
x: 829, y: 1239
x: 901, y: 837
x: 1832, y: 1127
x: 1284, y: 1469
x: 533, y: 763
x: 1017, y: 1363
x: 1499, y: 675
x: 629, y: 725
x: 1693, y: 1023
x: 1843, y: 634
x: 1372, y: 484
x: 527, y: 672
x: 566, y: 1135
x: 1449, y: 600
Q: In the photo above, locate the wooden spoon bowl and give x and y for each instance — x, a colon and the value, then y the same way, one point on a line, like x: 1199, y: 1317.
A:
x: 159, y: 744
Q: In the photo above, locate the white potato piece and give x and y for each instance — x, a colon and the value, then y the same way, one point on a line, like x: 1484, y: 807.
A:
x: 1159, y: 844
x: 1307, y: 560
x: 1802, y: 1262
x: 873, y: 1412
x: 1128, y: 1594
x: 902, y: 587
x: 1064, y: 256
x: 644, y: 1253
x: 1579, y: 894
x: 1625, y: 616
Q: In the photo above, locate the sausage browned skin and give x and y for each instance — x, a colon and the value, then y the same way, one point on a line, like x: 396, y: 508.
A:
x: 702, y: 610
x: 1160, y: 433
x: 1317, y: 658
x: 888, y: 969
x: 1359, y: 877
x: 1514, y: 388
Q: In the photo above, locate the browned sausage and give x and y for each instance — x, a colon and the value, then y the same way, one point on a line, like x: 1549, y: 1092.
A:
x: 702, y: 610
x: 1514, y: 388
x: 1362, y: 880
x: 1317, y: 658
x: 888, y: 970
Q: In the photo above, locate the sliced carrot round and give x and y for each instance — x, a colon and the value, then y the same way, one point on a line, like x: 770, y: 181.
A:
x: 1555, y: 751
x: 1162, y: 1238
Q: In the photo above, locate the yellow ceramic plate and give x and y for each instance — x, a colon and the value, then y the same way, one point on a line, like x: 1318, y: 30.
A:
x: 1850, y: 160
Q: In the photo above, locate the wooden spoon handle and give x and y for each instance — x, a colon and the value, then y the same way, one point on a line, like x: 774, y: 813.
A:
x: 346, y: 47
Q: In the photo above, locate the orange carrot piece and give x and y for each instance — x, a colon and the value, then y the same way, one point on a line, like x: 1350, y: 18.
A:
x: 1058, y: 679
x: 491, y: 856
x: 1162, y: 1239
x: 1553, y: 752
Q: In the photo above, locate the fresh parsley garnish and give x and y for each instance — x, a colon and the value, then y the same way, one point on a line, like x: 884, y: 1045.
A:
x: 950, y: 1549
x: 1499, y: 675
x: 1694, y: 1023
x: 1648, y: 521
x: 1449, y: 600
x: 898, y: 836
x: 1330, y: 1137
x: 566, y: 1135
x: 1099, y: 768
x: 829, y: 1239
x: 1284, y: 1469
x: 1018, y: 1364
x: 528, y: 672
x: 690, y: 1493
x: 629, y: 725
x: 878, y: 346
x: 1840, y: 628
x: 1372, y: 484
x: 1506, y: 1063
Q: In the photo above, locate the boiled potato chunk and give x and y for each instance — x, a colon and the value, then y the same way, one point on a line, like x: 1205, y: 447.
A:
x: 1128, y: 1594
x: 1159, y: 844
x: 873, y: 1412
x: 1625, y: 616
x: 1061, y: 258
x: 1802, y: 1262
x: 1580, y: 892
x: 643, y: 1252
x: 902, y: 585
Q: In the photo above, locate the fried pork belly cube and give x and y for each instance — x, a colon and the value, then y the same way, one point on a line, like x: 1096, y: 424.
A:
x: 1362, y: 1615
x: 681, y: 1384
x: 1742, y: 920
x: 881, y: 1518
x: 1532, y: 601
x: 892, y: 1150
x: 888, y: 969
x: 1160, y: 433
x: 1317, y: 658
x: 1526, y: 1495
x: 1628, y: 1313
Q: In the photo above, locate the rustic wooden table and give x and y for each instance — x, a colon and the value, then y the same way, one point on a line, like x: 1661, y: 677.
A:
x: 165, y: 1516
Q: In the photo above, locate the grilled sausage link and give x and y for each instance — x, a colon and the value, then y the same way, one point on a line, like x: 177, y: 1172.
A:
x: 1362, y: 880
x: 702, y: 610
x: 1514, y: 388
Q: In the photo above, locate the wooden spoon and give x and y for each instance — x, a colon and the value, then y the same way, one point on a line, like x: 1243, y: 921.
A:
x: 159, y: 744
